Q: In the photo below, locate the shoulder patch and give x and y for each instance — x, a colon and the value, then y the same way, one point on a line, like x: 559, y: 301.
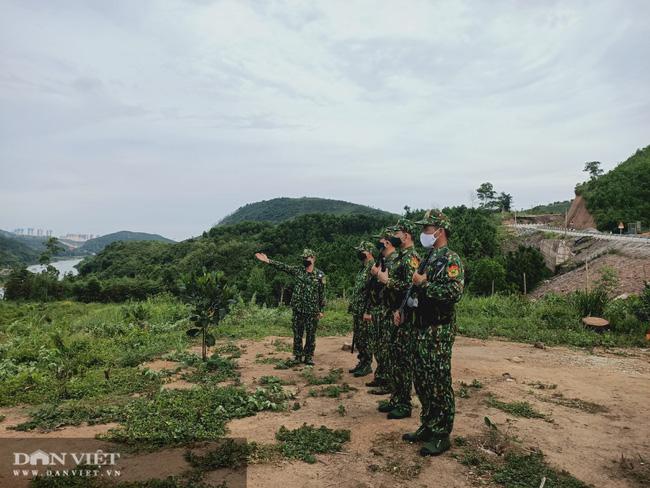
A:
x: 414, y: 262
x: 453, y: 271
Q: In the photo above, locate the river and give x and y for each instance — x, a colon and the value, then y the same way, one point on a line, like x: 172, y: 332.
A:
x: 64, y: 266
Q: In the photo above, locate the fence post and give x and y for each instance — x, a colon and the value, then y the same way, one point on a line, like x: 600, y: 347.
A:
x: 525, y: 284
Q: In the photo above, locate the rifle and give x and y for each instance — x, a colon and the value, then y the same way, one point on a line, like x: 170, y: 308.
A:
x: 438, y: 267
x: 382, y: 263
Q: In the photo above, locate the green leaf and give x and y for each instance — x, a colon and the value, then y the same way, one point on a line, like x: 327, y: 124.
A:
x: 210, y: 340
x: 193, y: 332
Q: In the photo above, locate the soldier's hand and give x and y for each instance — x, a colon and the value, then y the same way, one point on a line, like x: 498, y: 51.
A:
x: 397, y: 318
x: 382, y: 276
x: 367, y: 317
x: 262, y: 257
x: 418, y: 278
x: 375, y: 269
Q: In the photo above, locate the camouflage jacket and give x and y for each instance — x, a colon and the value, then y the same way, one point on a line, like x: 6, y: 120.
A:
x: 361, y: 290
x: 438, y: 295
x: 376, y: 288
x: 399, y: 277
x: 309, y: 289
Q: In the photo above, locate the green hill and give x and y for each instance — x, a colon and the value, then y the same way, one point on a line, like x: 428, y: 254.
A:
x: 97, y: 244
x: 622, y: 194
x: 15, y: 253
x: 281, y: 209
x: 549, y: 208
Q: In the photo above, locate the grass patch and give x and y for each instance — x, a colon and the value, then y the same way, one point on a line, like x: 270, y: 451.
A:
x: 331, y: 391
x: 216, y: 369
x: 634, y: 469
x: 302, y: 443
x: 228, y: 454
x: 333, y: 376
x: 274, y: 380
x: 517, y: 409
x: 176, y: 417
x: 281, y: 346
x: 576, y: 403
x: 496, y: 457
x: 50, y: 417
x: 393, y: 459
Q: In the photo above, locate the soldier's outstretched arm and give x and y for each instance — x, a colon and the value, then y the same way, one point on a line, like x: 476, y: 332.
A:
x: 292, y: 270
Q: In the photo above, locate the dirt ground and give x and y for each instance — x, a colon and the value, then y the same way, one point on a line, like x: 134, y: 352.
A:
x: 583, y: 443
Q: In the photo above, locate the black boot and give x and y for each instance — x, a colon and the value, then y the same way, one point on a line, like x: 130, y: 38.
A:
x: 423, y: 434
x: 353, y: 370
x: 436, y: 446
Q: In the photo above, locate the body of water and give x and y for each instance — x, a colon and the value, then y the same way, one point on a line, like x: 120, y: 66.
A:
x: 64, y: 266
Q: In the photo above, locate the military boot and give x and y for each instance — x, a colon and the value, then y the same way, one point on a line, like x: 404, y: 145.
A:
x: 436, y: 446
x: 309, y: 361
x: 423, y: 434
x: 362, y: 371
x: 376, y: 382
x: 386, y: 406
x: 382, y: 390
x: 399, y: 412
x: 352, y: 370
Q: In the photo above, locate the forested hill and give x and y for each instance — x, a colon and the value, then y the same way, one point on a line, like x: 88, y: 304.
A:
x: 281, y: 209
x: 622, y: 194
x: 99, y: 243
x: 15, y: 253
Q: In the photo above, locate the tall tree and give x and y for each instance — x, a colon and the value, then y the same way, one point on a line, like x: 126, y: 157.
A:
x: 593, y: 168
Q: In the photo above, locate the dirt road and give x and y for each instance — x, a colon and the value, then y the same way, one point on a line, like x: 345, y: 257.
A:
x: 598, y: 410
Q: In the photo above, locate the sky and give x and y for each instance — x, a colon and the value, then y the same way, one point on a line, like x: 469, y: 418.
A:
x: 165, y: 116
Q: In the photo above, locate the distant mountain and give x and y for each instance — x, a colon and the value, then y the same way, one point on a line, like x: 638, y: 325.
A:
x: 622, y: 194
x: 97, y: 244
x: 282, y: 209
x: 15, y: 253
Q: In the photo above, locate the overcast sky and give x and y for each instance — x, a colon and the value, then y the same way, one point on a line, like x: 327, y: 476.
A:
x: 164, y: 116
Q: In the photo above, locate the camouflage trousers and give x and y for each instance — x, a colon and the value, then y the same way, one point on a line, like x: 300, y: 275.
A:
x: 401, y: 365
x: 381, y: 338
x: 432, y: 377
x: 362, y: 340
x: 304, y: 324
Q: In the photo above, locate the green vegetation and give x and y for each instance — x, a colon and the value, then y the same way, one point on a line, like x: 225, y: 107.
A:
x: 496, y: 455
x: 281, y: 209
x: 332, y: 377
x: 331, y: 391
x: 559, y: 207
x: 99, y: 243
x: 518, y: 409
x: 176, y: 417
x: 15, y: 253
x: 622, y: 194
x: 303, y: 442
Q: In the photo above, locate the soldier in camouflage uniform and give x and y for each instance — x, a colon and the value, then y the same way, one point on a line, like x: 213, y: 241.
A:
x: 437, y: 290
x: 379, y: 313
x: 358, y: 303
x: 307, y: 302
x: 397, y: 282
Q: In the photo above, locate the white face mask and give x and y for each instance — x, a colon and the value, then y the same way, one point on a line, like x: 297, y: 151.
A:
x: 428, y: 240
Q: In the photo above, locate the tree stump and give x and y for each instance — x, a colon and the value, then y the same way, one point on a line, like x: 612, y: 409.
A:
x: 596, y: 323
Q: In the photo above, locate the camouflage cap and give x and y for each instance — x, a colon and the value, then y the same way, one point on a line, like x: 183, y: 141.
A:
x: 308, y: 253
x: 407, y: 225
x: 435, y: 217
x: 365, y: 246
x: 387, y: 232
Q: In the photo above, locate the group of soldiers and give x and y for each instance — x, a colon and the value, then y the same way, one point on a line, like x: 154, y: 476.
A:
x: 403, y: 313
